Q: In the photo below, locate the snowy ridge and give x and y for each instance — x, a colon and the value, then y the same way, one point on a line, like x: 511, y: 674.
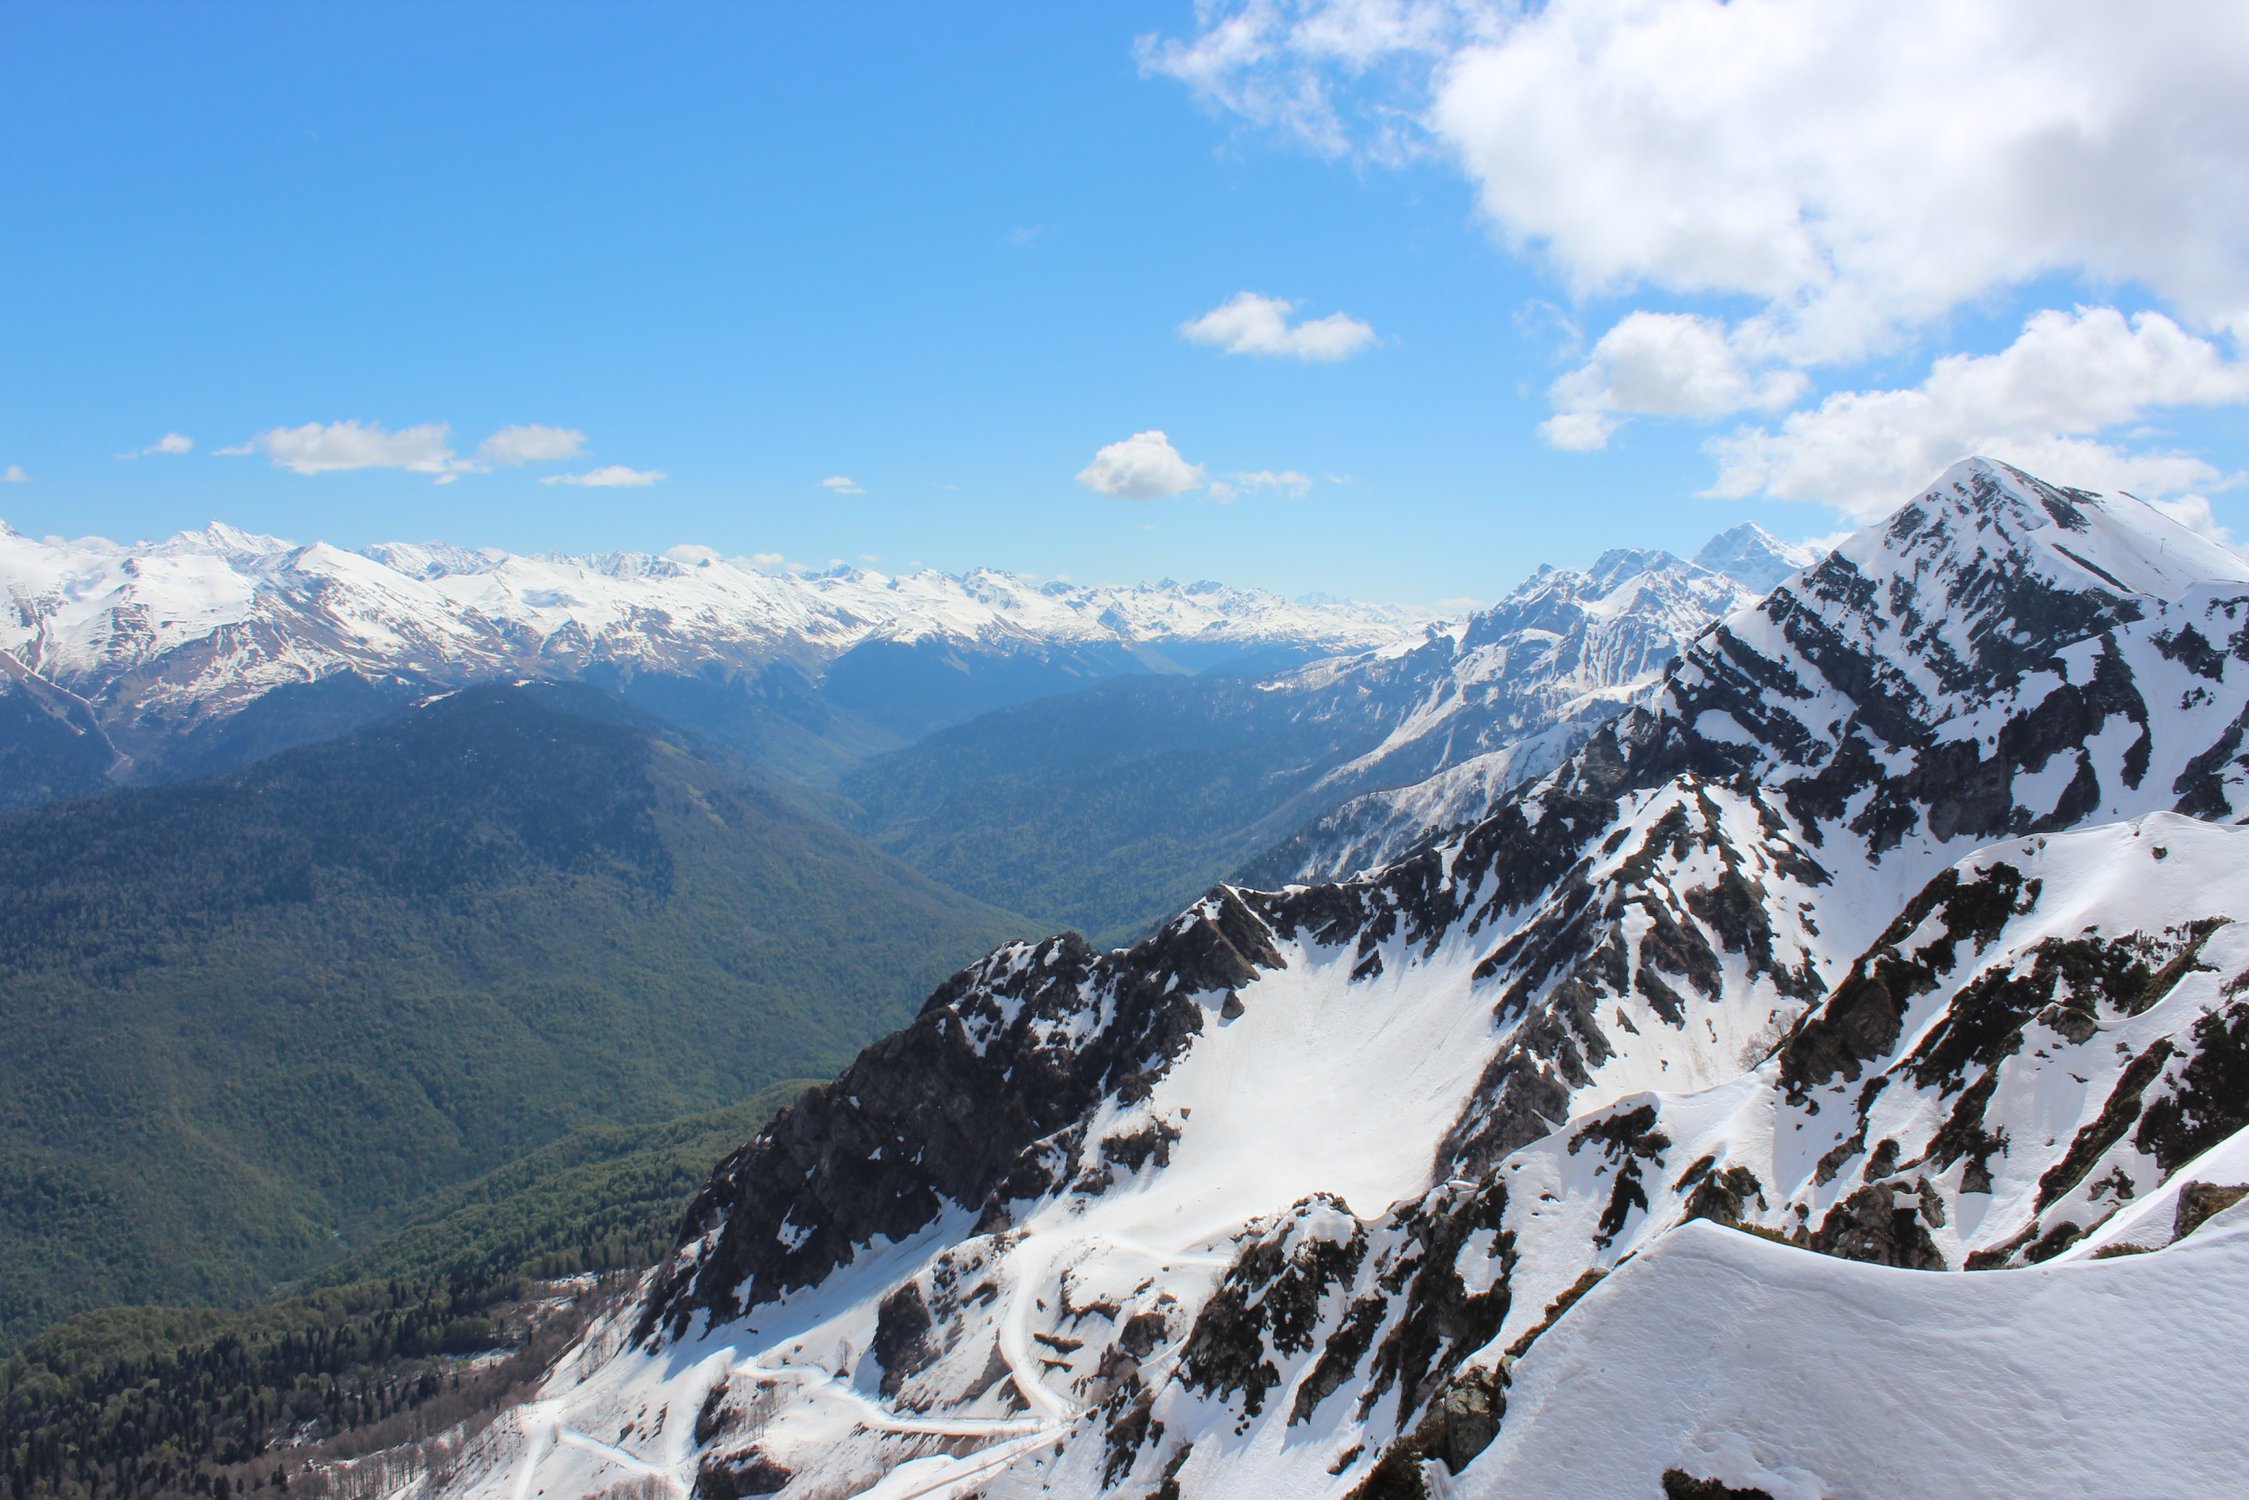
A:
x: 1902, y: 922
x: 197, y: 625
x: 1507, y: 695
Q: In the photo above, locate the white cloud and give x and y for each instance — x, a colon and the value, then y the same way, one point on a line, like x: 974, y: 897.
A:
x: 333, y: 447
x: 1578, y: 431
x: 1251, y: 323
x: 14, y: 474
x: 2193, y: 512
x: 531, y: 443
x: 169, y: 443
x: 768, y: 559
x: 608, y: 477
x: 2043, y: 403
x: 842, y: 485
x: 1144, y: 466
x: 1931, y: 152
x: 235, y: 450
x: 1298, y: 485
x: 1664, y: 364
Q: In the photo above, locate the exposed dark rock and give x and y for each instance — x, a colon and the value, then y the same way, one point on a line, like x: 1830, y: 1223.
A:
x: 710, y: 1419
x: 1440, y: 1321
x: 2199, y: 1202
x: 1870, y: 1225
x: 736, y: 1476
x: 1269, y: 1298
x: 1721, y: 1197
x: 1678, y: 1484
x: 902, y: 1344
x: 2211, y: 1099
x: 2107, y: 1128
x: 1628, y: 1140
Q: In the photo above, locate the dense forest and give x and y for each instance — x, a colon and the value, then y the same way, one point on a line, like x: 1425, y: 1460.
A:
x: 1109, y: 809
x: 395, y: 1347
x: 254, y: 1021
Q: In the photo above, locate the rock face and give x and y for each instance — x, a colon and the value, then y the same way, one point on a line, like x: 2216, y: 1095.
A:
x: 1902, y: 922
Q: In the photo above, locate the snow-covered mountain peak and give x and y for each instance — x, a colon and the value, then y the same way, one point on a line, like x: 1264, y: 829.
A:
x: 1751, y: 555
x: 226, y: 540
x: 1984, y: 520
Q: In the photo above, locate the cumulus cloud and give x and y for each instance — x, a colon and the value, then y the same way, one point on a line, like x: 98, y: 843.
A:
x: 531, y: 443
x: 2047, y: 403
x: 1252, y: 323
x: 1934, y: 151
x: 609, y: 477
x: 1663, y: 364
x: 1144, y: 466
x: 334, y: 447
x: 14, y: 474
x: 169, y: 443
x: 841, y: 484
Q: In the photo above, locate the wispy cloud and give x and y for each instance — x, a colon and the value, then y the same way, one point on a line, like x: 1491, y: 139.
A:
x: 14, y: 474
x: 170, y: 442
x: 426, y: 448
x: 841, y: 484
x: 1252, y: 323
x: 1296, y: 485
x: 609, y: 477
x: 531, y: 443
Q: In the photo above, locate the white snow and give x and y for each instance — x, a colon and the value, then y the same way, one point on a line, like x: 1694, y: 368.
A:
x: 1809, y: 1377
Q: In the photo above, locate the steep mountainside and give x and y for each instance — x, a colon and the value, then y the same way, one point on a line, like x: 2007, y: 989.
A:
x: 1902, y: 924
x: 1522, y: 685
x: 123, y: 662
x: 249, y: 1019
x: 1108, y: 809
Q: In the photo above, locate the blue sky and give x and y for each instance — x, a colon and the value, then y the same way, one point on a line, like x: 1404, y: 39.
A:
x: 946, y: 253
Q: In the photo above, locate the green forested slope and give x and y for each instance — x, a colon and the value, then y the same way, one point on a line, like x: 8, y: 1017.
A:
x: 1109, y: 809
x: 153, y: 1401
x: 245, y: 1023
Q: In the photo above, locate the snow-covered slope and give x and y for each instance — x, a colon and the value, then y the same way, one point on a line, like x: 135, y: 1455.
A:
x: 1503, y: 697
x: 1718, y: 1357
x: 134, y: 643
x: 1902, y: 922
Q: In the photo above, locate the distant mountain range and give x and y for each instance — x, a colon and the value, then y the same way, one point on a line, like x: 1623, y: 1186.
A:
x: 156, y: 661
x: 1092, y: 755
x: 1628, y: 1141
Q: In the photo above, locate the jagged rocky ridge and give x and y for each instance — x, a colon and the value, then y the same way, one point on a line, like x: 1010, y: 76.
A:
x: 1901, y: 924
x: 1504, y: 697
